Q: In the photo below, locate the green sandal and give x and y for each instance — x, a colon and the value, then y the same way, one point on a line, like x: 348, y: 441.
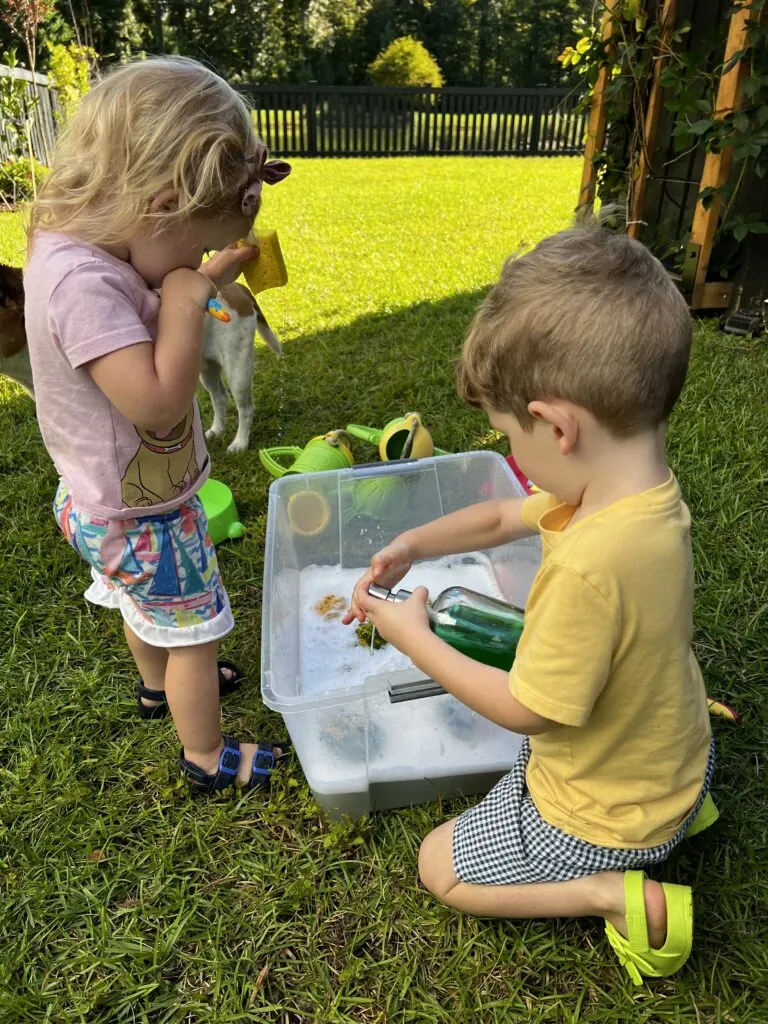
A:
x: 635, y: 952
x: 708, y: 815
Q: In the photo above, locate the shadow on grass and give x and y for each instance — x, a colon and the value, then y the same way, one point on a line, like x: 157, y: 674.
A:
x: 152, y: 907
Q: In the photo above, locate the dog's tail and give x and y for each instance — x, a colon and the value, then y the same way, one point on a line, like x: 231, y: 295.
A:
x: 265, y: 331
x: 243, y: 303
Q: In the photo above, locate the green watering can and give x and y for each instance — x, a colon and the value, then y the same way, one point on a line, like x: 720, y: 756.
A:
x: 308, y: 510
x: 324, y: 452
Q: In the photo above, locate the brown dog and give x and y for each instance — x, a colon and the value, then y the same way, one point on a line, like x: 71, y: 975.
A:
x: 14, y: 359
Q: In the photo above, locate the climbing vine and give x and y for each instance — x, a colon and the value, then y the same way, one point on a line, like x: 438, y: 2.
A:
x: 690, y: 81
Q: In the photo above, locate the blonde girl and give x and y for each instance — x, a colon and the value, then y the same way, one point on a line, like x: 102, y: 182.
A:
x: 159, y: 164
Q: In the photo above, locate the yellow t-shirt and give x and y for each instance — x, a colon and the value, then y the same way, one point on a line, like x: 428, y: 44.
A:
x: 606, y: 653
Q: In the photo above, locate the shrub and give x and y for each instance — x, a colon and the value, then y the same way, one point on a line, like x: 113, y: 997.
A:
x: 405, y: 61
x: 69, y: 71
x: 16, y: 180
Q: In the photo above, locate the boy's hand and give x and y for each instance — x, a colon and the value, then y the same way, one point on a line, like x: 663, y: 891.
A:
x: 402, y: 625
x: 388, y: 567
x: 225, y: 266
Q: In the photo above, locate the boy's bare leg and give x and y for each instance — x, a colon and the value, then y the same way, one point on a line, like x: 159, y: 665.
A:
x: 192, y: 689
x: 600, y: 895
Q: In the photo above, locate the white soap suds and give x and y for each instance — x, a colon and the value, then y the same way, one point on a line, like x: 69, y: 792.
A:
x: 330, y: 656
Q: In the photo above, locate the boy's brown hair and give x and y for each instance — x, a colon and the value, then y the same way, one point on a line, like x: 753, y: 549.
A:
x: 588, y: 316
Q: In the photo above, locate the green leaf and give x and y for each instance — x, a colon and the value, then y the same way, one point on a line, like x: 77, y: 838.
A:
x: 742, y: 123
x: 707, y: 195
x: 699, y: 127
x: 752, y: 86
x: 735, y: 59
x: 740, y: 232
x: 762, y: 114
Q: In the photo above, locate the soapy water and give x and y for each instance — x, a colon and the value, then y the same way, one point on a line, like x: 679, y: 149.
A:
x: 347, y: 746
x: 330, y: 655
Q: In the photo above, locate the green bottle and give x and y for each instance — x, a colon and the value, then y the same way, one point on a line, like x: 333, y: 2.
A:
x: 481, y: 627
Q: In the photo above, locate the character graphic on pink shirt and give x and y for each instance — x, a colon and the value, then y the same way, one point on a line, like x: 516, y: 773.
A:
x: 163, y: 467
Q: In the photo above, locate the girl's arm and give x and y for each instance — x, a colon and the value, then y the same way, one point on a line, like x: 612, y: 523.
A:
x: 153, y: 384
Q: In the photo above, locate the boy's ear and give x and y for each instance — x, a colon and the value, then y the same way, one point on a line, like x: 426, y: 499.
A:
x: 560, y: 417
x: 164, y: 202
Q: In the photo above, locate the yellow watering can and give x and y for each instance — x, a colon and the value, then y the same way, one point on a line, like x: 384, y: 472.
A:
x: 403, y: 438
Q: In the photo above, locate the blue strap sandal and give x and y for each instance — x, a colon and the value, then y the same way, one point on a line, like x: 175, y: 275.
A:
x: 227, y: 685
x: 265, y: 760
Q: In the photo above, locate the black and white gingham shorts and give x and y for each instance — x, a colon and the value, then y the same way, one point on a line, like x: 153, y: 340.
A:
x: 505, y: 841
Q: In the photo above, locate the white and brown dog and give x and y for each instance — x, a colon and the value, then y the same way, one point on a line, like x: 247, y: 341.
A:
x: 227, y: 351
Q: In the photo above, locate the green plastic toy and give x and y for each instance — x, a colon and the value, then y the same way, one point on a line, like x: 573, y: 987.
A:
x: 324, y: 452
x: 220, y: 508
x: 404, y: 437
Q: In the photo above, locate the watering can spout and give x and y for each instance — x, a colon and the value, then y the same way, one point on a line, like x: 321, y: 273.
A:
x: 369, y: 434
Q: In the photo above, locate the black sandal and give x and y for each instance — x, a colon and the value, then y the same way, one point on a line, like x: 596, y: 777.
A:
x: 227, y: 685
x: 264, y: 763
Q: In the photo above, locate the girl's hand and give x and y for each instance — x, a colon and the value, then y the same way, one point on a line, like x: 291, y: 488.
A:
x: 388, y: 567
x: 225, y: 266
x: 402, y: 625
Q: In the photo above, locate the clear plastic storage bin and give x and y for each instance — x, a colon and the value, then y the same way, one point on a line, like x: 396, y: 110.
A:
x: 371, y: 731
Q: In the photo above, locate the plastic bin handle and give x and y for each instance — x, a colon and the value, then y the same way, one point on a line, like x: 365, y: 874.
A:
x: 399, y: 692
x: 380, y: 468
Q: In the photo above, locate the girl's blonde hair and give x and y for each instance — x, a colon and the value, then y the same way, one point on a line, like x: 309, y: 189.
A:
x: 166, y: 123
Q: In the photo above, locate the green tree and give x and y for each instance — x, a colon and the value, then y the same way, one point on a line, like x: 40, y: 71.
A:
x: 406, y: 61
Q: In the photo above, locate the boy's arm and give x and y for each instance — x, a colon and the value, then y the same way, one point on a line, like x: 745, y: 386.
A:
x: 485, y: 525
x: 480, y: 687
x: 478, y: 527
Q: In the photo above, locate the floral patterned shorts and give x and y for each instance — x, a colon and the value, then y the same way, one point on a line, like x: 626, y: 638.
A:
x: 160, y: 571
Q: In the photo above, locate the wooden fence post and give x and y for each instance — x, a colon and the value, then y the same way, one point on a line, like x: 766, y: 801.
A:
x: 536, y: 125
x: 717, y: 166
x: 651, y: 123
x: 597, y: 113
x: 312, y: 122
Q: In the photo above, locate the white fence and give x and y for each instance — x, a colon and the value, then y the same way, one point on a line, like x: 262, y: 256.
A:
x: 41, y: 99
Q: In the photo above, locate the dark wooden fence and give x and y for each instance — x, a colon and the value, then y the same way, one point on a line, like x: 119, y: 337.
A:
x: 297, y: 120
x: 340, y: 121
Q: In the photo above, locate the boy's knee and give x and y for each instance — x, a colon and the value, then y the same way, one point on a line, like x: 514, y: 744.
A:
x: 436, y: 861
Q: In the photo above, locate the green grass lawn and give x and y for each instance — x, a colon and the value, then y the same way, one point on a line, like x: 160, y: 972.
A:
x: 126, y: 901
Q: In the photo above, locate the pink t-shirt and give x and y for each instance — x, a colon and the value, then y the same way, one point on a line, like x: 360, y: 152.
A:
x: 81, y: 304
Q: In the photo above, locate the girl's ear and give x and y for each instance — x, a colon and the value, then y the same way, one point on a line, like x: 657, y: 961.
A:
x: 164, y: 202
